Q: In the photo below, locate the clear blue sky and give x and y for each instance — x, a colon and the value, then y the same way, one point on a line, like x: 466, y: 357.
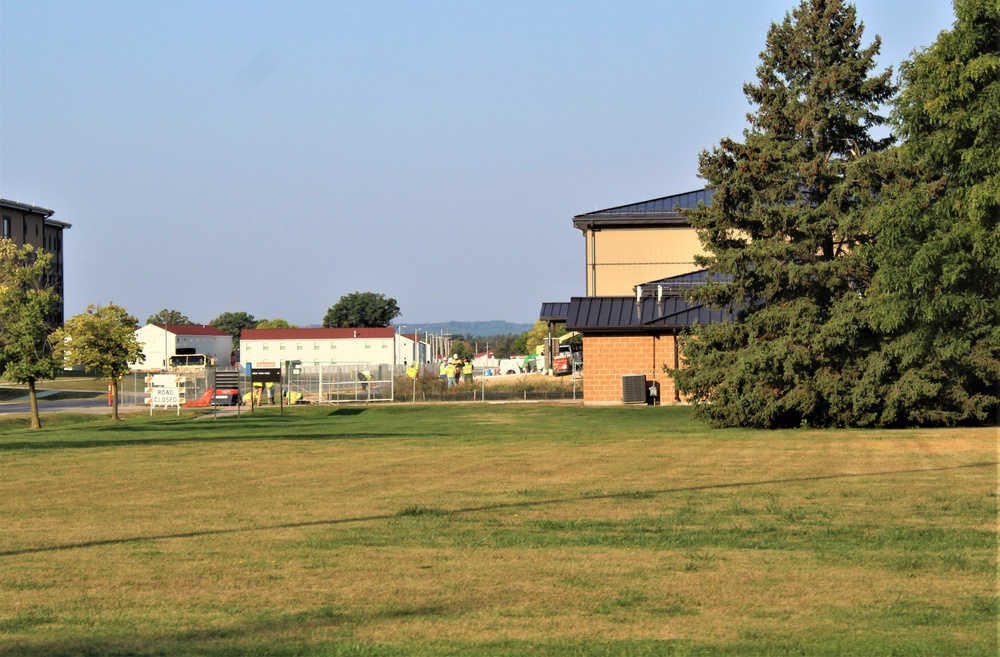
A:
x: 270, y: 157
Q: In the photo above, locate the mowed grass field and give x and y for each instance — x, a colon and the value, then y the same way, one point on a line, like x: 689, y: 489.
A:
x: 519, y: 529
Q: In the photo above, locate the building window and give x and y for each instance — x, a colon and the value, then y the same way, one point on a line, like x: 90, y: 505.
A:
x: 265, y: 346
x: 281, y: 347
x: 315, y: 345
x: 298, y: 346
x: 6, y: 227
x: 249, y: 347
x: 368, y: 345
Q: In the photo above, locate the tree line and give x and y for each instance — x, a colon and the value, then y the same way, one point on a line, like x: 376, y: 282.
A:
x: 863, y: 266
x: 857, y: 249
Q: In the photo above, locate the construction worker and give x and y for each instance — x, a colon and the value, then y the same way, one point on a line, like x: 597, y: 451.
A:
x: 467, y: 371
x: 443, y: 371
x: 450, y: 370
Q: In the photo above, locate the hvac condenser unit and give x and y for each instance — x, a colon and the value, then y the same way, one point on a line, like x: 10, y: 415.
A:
x: 634, y: 389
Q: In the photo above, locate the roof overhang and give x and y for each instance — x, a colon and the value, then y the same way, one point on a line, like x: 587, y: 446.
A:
x: 44, y: 213
x: 597, y: 221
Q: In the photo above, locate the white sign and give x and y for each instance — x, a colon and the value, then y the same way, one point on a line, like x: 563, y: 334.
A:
x: 165, y: 397
x: 164, y: 390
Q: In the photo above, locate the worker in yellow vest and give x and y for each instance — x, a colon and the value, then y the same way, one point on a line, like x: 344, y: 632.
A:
x: 467, y: 371
x: 443, y: 371
x: 450, y: 371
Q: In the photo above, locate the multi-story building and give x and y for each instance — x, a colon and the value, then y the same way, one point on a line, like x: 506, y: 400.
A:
x: 30, y: 224
x: 314, y: 347
x: 162, y: 341
x: 639, y: 262
x: 629, y: 244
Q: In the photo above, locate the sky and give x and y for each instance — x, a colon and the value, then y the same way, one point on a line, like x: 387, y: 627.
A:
x: 271, y: 157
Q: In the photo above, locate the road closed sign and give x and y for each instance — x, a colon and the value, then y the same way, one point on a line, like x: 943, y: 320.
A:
x: 164, y: 390
x: 166, y: 397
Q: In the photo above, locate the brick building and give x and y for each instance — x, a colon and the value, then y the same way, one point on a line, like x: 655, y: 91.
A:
x: 633, y: 335
x: 630, y: 324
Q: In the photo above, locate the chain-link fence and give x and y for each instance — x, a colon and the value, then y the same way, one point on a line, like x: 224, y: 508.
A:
x: 366, y: 383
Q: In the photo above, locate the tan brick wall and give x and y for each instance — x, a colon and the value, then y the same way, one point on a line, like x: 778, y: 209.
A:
x: 609, y: 356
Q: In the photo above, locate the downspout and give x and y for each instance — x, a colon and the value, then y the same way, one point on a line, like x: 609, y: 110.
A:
x: 677, y: 396
x: 593, y: 261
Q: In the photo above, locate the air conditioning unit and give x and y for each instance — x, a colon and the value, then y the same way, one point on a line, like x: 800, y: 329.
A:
x: 634, y: 389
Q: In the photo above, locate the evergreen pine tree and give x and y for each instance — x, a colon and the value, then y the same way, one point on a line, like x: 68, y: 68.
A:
x: 935, y: 295
x: 783, y: 232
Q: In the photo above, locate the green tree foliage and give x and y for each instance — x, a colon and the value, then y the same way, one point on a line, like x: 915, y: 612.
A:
x: 274, y: 324
x: 539, y: 333
x: 935, y: 295
x: 520, y: 345
x: 233, y: 324
x: 502, y: 346
x: 102, y: 339
x: 461, y: 349
x: 168, y: 317
x: 361, y: 310
x: 783, y: 230
x: 27, y: 306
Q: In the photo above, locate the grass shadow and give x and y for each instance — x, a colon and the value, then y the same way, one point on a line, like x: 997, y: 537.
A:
x: 248, y: 638
x: 416, y: 510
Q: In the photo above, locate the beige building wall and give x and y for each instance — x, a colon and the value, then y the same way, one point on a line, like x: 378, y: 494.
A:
x: 618, y: 259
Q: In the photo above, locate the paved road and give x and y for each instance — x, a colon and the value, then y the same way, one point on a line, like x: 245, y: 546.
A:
x: 97, y: 404
x: 73, y: 405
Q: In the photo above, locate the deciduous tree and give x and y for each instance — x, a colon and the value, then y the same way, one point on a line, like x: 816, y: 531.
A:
x: 539, y: 333
x: 274, y: 324
x: 783, y: 230
x: 168, y: 317
x: 361, y: 309
x: 102, y: 339
x: 28, y: 304
x: 233, y: 324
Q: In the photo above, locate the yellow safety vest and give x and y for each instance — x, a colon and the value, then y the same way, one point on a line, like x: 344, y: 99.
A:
x: 467, y: 368
x: 451, y: 370
x: 444, y: 368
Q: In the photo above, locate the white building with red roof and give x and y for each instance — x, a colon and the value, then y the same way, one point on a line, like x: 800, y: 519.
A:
x: 162, y: 341
x: 328, y: 346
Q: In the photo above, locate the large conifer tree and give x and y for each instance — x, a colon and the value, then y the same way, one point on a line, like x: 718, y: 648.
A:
x: 782, y: 234
x: 935, y: 295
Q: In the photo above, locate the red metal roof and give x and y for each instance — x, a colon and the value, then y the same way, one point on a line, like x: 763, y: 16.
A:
x: 192, y: 329
x: 316, y: 333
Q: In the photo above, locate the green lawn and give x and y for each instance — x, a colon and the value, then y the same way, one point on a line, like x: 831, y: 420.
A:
x: 516, y: 529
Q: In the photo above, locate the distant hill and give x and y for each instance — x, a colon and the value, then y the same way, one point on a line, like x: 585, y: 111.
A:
x: 471, y: 328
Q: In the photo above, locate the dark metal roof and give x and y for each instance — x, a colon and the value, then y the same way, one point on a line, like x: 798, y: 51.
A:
x: 682, y: 282
x: 658, y: 211
x: 554, y: 311
x: 589, y: 314
x: 664, y: 204
x: 660, y: 304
